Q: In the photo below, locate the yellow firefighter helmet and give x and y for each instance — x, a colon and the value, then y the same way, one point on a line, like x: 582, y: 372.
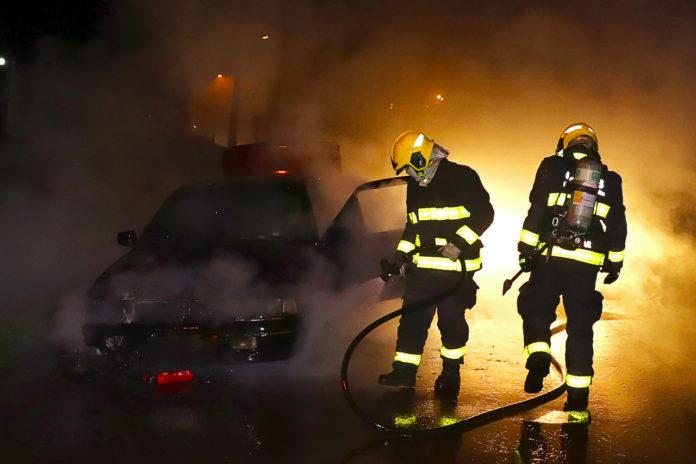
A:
x: 574, y: 131
x: 411, y: 149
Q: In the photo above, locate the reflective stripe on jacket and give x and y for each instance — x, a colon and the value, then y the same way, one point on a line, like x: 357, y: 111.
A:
x: 454, y: 208
x: 606, y: 238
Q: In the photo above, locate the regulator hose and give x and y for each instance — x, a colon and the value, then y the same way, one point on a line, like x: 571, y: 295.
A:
x: 469, y: 423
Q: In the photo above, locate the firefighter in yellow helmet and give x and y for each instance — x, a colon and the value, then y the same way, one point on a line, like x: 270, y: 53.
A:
x: 577, y: 209
x: 447, y: 211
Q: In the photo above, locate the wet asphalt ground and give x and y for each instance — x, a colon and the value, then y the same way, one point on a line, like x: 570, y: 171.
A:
x: 293, y: 411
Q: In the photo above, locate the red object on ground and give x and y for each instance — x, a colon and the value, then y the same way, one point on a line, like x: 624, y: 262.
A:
x: 167, y: 378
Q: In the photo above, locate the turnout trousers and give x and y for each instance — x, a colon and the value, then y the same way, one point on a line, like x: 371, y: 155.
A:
x: 428, y: 291
x: 537, y: 303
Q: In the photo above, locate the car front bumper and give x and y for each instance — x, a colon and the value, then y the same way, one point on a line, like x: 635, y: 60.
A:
x: 262, y: 339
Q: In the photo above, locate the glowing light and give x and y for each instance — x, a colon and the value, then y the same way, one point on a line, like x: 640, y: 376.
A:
x: 166, y: 378
x: 439, y: 98
x: 281, y: 172
x: 219, y: 76
x: 3, y: 61
x: 501, y: 239
x: 265, y: 37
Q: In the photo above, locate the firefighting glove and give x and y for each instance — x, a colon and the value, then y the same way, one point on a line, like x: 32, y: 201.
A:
x: 400, y: 261
x: 527, y: 256
x: 390, y: 270
x: 613, y: 271
x: 471, y: 251
x: 450, y: 251
x: 400, y: 258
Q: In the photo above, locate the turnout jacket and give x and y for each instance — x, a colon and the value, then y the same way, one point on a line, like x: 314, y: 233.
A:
x: 454, y: 208
x: 550, y: 195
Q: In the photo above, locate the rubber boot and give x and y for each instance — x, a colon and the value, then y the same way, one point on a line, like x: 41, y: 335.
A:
x: 538, y: 364
x: 576, y: 405
x: 447, y: 383
x: 402, y: 375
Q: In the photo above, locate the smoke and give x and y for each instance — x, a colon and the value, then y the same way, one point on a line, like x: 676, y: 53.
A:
x: 511, y: 78
x: 225, y: 287
x: 97, y: 131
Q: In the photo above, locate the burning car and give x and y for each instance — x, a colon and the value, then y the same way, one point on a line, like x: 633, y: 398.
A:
x: 216, y: 277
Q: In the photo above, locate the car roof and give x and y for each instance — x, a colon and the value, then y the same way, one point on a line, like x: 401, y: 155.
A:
x: 223, y: 182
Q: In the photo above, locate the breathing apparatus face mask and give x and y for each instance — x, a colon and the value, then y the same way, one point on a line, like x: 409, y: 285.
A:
x: 580, y: 151
x: 584, y: 141
x: 425, y: 176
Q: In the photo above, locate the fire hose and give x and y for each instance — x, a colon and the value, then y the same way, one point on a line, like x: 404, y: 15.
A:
x: 466, y: 424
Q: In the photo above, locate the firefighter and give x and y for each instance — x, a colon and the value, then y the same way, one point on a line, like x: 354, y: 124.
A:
x: 564, y: 184
x: 447, y: 211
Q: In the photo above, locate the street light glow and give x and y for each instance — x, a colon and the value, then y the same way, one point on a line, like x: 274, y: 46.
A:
x: 265, y: 37
x: 219, y: 76
x: 3, y: 61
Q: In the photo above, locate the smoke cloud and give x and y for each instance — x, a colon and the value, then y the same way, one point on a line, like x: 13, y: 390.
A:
x: 97, y: 132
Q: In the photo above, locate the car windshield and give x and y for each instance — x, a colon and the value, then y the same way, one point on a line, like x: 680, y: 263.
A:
x: 234, y: 211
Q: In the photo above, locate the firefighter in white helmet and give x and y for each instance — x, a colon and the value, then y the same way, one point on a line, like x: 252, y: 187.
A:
x: 447, y: 211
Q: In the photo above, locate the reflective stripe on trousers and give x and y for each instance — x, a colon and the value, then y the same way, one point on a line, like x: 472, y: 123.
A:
x: 536, y: 347
x: 455, y: 353
x: 578, y: 381
x: 407, y: 358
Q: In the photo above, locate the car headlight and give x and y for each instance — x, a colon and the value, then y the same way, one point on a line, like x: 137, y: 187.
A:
x: 289, y: 306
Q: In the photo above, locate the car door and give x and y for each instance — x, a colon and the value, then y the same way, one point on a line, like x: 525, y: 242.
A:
x: 367, y: 229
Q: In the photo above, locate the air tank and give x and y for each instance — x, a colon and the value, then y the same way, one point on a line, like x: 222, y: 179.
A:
x: 584, y: 189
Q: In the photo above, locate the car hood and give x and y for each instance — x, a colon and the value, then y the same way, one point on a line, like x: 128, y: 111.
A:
x: 183, y: 273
